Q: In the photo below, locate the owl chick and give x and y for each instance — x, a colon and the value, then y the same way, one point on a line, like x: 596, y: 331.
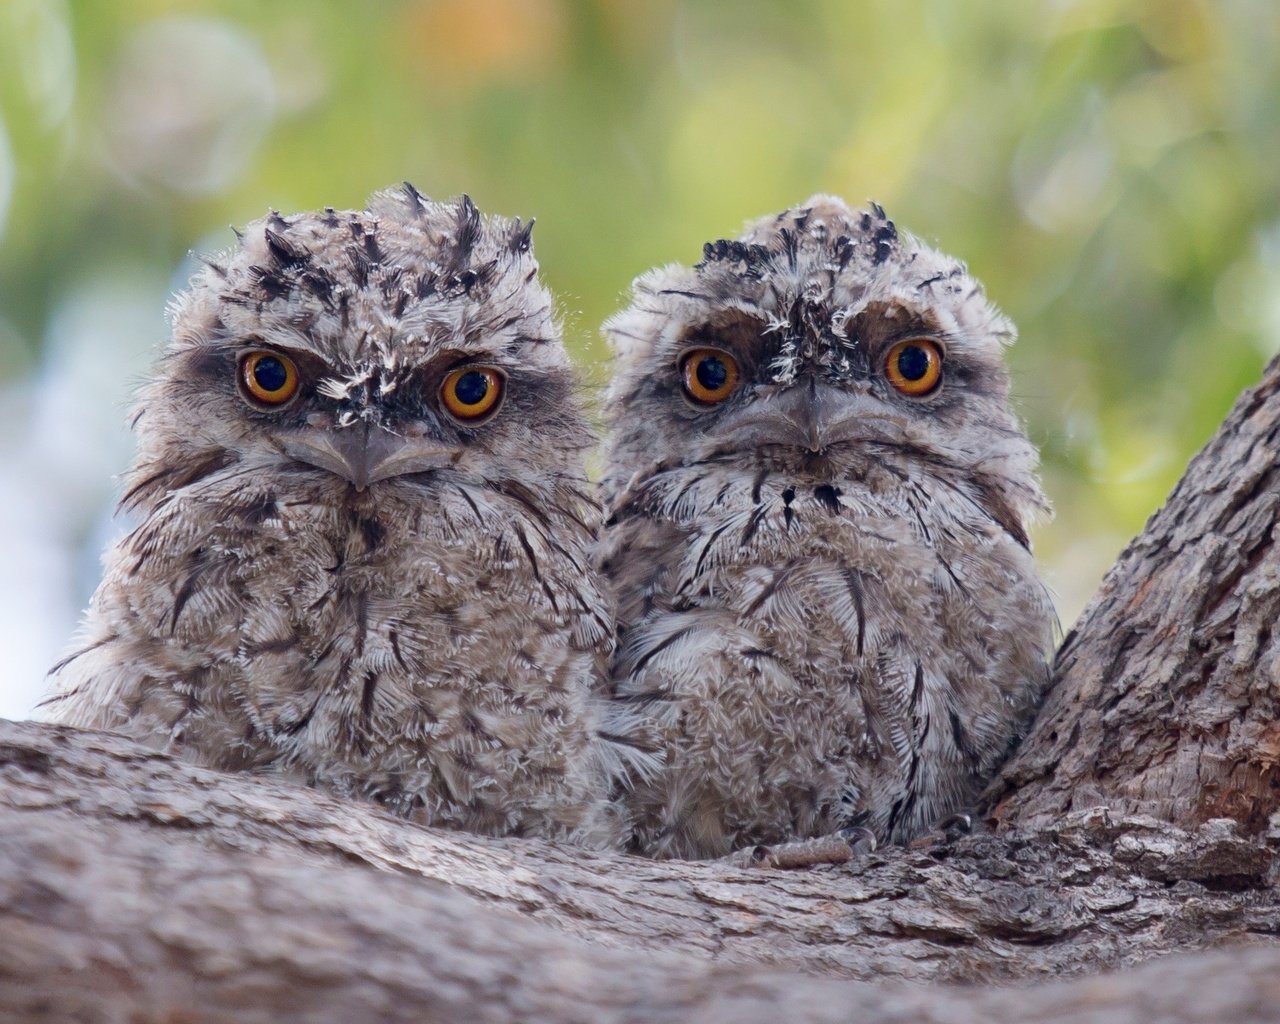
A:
x: 819, y: 498
x: 363, y: 552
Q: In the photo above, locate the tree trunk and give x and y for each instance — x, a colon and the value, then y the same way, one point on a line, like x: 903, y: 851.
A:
x: 1165, y: 693
x: 1136, y: 820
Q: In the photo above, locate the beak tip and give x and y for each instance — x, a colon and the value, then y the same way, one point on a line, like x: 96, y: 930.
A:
x: 362, y: 459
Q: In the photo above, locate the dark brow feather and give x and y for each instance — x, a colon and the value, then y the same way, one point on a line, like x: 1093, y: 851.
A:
x: 175, y: 478
x: 997, y: 512
x: 77, y: 654
x: 537, y: 505
x: 630, y: 500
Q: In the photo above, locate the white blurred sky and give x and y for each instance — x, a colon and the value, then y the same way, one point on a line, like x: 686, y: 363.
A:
x: 62, y: 440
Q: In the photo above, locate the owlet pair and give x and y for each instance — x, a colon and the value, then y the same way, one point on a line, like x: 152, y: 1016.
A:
x: 368, y: 556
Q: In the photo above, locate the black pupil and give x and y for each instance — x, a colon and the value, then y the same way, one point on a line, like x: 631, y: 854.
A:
x: 270, y: 375
x: 712, y: 373
x: 471, y: 388
x: 913, y: 362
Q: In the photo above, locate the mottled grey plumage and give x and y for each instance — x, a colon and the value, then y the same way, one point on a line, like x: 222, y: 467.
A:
x: 358, y: 589
x: 827, y: 604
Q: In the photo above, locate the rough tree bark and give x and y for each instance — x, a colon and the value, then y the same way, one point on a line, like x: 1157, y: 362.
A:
x: 1165, y: 692
x: 1139, y: 818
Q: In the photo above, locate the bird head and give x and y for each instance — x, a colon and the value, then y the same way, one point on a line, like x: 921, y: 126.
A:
x: 364, y: 348
x: 824, y: 344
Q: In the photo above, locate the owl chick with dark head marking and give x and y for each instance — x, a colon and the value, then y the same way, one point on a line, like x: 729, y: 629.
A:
x: 363, y: 555
x: 828, y: 607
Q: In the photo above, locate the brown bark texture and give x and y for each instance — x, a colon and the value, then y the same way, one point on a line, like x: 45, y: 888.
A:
x: 1138, y: 819
x: 1165, y: 693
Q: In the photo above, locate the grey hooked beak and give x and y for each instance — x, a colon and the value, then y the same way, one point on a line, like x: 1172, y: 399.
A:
x: 809, y: 415
x: 365, y: 454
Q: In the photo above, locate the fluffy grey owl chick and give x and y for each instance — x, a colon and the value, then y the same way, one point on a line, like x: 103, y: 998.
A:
x: 819, y: 499
x: 363, y: 555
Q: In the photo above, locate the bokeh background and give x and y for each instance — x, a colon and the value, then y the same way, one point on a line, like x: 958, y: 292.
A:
x: 1109, y: 168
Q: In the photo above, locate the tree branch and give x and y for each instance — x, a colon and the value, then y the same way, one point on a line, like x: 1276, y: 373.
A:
x: 1089, y: 892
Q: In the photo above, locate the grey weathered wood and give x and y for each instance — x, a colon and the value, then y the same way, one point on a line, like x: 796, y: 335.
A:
x: 133, y: 887
x: 1090, y: 892
x: 122, y: 921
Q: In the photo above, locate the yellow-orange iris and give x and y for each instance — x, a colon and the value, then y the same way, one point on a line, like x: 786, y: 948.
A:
x: 709, y: 375
x: 268, y: 378
x: 471, y: 392
x: 914, y: 367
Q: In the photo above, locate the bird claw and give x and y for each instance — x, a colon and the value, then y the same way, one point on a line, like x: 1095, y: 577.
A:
x: 948, y: 830
x: 837, y: 848
x: 956, y: 825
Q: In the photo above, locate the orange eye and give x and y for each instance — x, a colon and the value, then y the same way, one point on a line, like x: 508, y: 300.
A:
x: 709, y: 375
x: 472, y: 392
x: 268, y: 378
x: 914, y: 367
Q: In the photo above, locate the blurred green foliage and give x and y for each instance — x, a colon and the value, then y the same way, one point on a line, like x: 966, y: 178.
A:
x: 1109, y: 168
